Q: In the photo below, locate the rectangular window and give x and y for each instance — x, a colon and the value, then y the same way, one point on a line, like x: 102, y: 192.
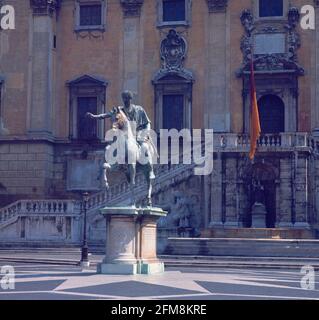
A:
x: 174, y: 10
x: 271, y: 8
x: 86, y: 127
x: 91, y: 15
x: 173, y: 111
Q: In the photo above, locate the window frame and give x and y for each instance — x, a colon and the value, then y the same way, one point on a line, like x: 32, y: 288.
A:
x: 84, y: 87
x: 175, y: 87
x: 160, y: 15
x: 78, y: 27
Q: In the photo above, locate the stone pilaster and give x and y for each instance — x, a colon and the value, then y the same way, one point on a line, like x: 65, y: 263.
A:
x: 315, y: 110
x: 216, y: 194
x: 285, y: 206
x: 316, y: 191
x: 41, y: 65
x: 231, y: 193
x: 301, y: 192
x: 216, y: 113
x: 131, y: 44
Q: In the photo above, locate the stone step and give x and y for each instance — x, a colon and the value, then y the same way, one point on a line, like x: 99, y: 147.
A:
x: 240, y: 259
x: 259, y: 233
x: 243, y: 247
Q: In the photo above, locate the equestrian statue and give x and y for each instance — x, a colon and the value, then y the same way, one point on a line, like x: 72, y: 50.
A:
x: 133, y: 123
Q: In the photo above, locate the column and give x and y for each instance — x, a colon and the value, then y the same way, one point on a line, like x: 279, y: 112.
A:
x: 41, y: 65
x: 217, y: 115
x: 131, y: 44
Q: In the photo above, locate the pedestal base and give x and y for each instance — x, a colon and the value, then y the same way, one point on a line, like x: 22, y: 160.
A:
x: 151, y: 268
x: 131, y: 241
x: 117, y: 268
x: 85, y: 264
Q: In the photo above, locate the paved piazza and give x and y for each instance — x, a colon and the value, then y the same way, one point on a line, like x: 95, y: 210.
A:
x: 56, y: 282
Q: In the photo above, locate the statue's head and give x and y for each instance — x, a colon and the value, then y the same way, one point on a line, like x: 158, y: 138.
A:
x: 127, y: 97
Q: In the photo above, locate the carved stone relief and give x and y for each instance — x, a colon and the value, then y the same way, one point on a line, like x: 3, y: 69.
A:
x: 280, y: 61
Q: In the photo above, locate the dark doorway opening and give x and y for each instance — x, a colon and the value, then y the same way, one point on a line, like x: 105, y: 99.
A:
x: 265, y: 176
x: 272, y: 114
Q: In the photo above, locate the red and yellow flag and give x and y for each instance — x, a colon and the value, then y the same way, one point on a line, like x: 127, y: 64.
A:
x: 255, y: 129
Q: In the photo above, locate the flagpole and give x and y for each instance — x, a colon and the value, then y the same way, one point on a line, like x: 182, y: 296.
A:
x: 255, y: 129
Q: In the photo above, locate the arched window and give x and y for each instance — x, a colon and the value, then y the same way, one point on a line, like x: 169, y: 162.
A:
x: 272, y: 114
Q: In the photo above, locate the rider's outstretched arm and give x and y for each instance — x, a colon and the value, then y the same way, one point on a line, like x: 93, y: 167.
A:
x: 100, y: 116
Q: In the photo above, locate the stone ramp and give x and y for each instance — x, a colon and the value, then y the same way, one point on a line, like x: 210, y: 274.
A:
x: 303, y: 248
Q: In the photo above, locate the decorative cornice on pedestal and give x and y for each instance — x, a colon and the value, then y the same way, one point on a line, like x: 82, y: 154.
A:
x: 217, y: 6
x: 132, y: 8
x: 44, y: 7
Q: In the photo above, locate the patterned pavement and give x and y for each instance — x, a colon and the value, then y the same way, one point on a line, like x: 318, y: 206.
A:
x: 56, y: 282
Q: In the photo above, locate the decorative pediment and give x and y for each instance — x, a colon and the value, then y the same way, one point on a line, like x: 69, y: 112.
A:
x: 283, y: 38
x: 173, y: 76
x: 44, y: 7
x: 87, y: 80
x: 216, y: 6
x: 132, y: 8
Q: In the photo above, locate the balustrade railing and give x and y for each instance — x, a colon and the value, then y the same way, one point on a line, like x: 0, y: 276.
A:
x: 242, y: 141
x: 30, y: 207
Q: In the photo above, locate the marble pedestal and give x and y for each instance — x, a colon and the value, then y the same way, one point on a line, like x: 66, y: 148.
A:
x: 131, y: 241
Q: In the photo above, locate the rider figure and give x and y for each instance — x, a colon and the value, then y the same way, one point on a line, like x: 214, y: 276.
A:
x: 138, y: 115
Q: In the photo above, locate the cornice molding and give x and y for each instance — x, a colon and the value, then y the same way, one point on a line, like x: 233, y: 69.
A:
x: 217, y: 6
x: 44, y: 7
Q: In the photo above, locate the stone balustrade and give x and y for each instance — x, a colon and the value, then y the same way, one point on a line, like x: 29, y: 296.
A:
x: 38, y: 207
x: 266, y: 142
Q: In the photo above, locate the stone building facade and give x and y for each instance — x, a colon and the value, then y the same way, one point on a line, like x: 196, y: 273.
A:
x: 187, y: 63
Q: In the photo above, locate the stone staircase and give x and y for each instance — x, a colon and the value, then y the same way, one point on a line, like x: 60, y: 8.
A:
x: 167, y: 175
